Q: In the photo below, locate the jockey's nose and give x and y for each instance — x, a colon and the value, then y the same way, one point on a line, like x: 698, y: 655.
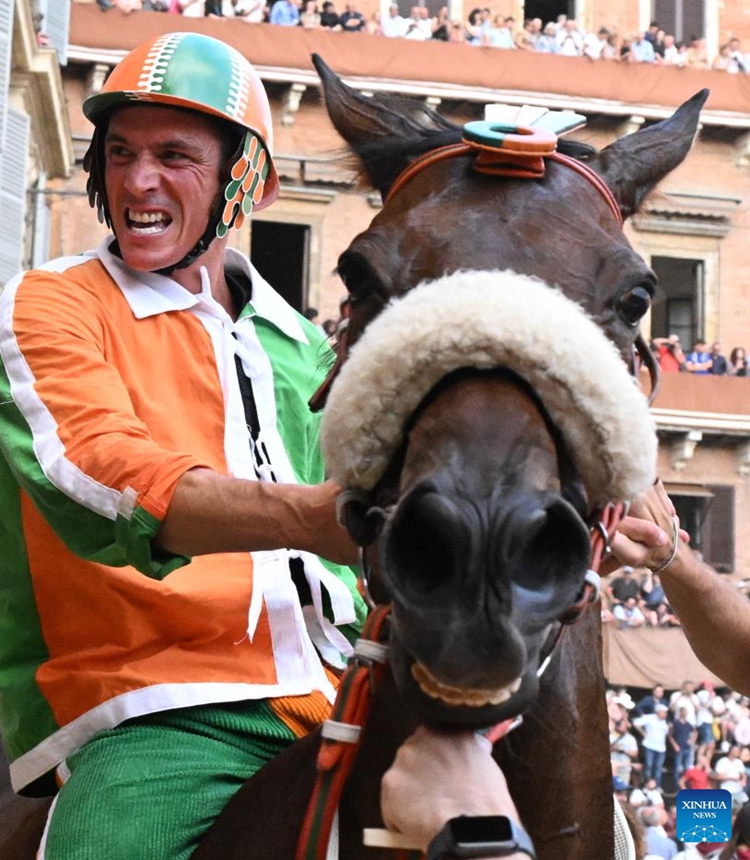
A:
x: 142, y: 174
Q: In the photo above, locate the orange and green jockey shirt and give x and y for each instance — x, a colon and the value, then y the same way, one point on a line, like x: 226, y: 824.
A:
x: 114, y: 383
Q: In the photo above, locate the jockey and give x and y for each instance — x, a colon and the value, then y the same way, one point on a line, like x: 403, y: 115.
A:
x: 167, y: 623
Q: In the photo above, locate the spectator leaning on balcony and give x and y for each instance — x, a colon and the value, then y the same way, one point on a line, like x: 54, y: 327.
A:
x: 547, y: 41
x: 627, y: 614
x: 500, y: 35
x: 660, y: 45
x: 329, y: 17
x: 527, y: 38
x: 669, y: 353
x: 719, y: 364
x: 673, y: 56
x: 642, y: 51
x: 161, y: 488
x: 193, y: 8
x: 696, y: 56
x: 441, y: 25
x: 699, y: 360
x: 595, y: 43
x: 735, y: 48
x: 652, y: 34
x: 251, y: 11
x: 738, y: 362
x: 569, y: 39
x: 624, y: 586
x: 284, y: 13
x: 394, y: 24
x: 309, y: 17
x: 352, y: 20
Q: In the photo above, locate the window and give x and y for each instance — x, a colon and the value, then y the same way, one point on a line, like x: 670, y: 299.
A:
x: 718, y: 532
x: 280, y: 252
x: 684, y: 19
x: 678, y: 306
x: 707, y: 514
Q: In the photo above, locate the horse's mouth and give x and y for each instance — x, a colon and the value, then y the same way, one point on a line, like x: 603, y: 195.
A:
x: 461, y: 696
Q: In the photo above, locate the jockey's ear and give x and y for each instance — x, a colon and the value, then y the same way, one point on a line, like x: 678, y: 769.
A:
x: 634, y: 164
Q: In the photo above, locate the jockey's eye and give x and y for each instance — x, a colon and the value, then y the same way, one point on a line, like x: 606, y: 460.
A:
x: 633, y: 304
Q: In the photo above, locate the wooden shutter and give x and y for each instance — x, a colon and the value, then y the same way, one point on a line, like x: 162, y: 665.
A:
x: 683, y: 19
x: 693, y: 20
x: 56, y: 25
x: 6, y: 38
x: 666, y: 15
x: 718, y: 530
x: 13, y: 193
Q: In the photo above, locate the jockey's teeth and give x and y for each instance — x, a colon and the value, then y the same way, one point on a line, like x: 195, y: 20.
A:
x: 456, y: 696
x: 147, y: 222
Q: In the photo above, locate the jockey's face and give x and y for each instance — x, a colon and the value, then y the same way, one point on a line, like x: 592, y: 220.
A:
x: 162, y: 169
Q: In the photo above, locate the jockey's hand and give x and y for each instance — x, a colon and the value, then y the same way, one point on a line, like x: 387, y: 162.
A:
x: 644, y: 537
x: 437, y: 776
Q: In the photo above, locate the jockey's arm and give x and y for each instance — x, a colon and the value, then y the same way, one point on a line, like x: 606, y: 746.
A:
x: 210, y: 512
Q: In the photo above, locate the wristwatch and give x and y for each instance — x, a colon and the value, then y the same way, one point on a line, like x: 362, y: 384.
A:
x: 480, y: 836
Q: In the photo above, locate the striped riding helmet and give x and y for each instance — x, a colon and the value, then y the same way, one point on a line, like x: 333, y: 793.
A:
x: 198, y: 73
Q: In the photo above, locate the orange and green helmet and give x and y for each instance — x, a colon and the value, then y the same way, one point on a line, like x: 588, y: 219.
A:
x: 195, y: 72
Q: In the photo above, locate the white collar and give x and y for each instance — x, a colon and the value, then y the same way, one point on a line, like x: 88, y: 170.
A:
x: 149, y: 293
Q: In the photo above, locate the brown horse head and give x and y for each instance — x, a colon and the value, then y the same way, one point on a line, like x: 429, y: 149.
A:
x: 488, y: 449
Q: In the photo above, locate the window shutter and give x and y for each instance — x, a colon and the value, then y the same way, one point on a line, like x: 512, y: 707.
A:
x: 6, y: 37
x: 718, y: 530
x: 682, y: 18
x: 693, y: 21
x: 13, y: 194
x: 56, y: 25
x: 665, y: 14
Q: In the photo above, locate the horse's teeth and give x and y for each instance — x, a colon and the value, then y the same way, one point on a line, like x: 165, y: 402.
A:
x: 456, y: 696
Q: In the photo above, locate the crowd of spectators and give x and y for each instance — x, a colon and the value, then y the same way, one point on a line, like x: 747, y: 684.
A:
x: 694, y: 737
x: 633, y: 600
x: 482, y: 27
x: 703, y: 360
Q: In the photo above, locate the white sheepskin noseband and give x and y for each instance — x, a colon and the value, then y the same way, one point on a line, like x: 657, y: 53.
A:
x: 491, y: 320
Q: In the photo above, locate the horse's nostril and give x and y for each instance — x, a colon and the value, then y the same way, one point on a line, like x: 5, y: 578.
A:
x: 550, y: 545
x: 423, y: 542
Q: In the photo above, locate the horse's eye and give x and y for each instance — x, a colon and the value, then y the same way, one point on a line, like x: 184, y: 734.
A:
x: 633, y: 304
x: 357, y: 277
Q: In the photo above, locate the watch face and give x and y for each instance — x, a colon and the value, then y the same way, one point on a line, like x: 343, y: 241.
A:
x: 481, y: 829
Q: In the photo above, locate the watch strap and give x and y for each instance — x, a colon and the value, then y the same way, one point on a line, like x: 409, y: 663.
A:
x: 444, y: 847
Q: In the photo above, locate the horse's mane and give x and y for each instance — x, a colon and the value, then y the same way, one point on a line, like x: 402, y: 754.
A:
x: 416, y: 129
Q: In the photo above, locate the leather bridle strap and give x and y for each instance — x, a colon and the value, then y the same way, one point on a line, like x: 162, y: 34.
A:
x: 341, y: 735
x: 467, y: 148
x: 601, y: 536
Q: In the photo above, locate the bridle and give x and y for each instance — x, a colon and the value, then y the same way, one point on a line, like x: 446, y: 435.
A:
x: 517, y: 152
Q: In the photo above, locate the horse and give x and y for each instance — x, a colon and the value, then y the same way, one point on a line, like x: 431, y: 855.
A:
x: 474, y: 496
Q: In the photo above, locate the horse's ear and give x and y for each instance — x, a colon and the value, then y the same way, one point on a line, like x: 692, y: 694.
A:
x: 371, y: 125
x: 634, y: 164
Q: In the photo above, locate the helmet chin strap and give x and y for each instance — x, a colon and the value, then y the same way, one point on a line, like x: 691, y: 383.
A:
x: 200, y: 247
